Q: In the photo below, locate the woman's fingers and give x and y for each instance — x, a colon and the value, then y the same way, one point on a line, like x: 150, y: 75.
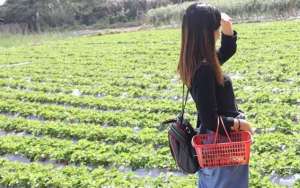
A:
x: 246, y: 126
x: 225, y: 17
x: 249, y: 128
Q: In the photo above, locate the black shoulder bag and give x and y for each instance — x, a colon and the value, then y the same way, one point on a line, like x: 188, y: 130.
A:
x: 180, y: 134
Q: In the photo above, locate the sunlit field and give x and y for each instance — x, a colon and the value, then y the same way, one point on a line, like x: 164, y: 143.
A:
x: 86, y: 111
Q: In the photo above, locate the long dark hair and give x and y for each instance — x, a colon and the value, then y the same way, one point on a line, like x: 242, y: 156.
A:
x: 199, y: 23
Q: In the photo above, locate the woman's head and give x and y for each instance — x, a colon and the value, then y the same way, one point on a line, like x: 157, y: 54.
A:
x: 200, y: 30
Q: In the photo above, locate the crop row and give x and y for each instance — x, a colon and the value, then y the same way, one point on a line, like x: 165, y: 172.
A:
x: 87, y: 152
x: 281, y: 116
x: 90, y: 132
x: 98, y: 90
x: 71, y: 115
x: 148, y: 83
x: 103, y: 103
x: 37, y: 175
x: 111, y: 103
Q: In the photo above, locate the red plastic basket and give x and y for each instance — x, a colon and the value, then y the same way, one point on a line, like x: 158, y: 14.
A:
x: 214, y: 150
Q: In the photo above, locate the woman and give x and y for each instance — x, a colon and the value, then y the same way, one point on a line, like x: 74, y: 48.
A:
x: 200, y: 70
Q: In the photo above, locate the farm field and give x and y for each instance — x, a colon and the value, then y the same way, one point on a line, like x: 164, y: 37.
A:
x: 86, y: 111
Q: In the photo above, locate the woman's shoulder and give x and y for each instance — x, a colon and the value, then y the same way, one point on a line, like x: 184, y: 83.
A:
x: 204, y: 68
x: 203, y: 72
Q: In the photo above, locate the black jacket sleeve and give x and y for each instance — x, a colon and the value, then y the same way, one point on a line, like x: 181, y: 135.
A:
x: 203, y: 88
x: 228, y: 47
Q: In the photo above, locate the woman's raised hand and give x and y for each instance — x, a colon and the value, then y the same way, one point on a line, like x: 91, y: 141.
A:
x: 226, y: 24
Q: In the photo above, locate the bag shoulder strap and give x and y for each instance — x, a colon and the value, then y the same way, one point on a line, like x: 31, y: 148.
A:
x: 184, y: 100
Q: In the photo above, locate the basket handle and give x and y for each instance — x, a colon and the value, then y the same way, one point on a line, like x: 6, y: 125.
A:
x: 220, y: 118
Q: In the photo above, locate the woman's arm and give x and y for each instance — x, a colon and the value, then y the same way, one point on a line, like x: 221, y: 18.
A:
x: 228, y: 40
x: 203, y: 89
x: 228, y: 47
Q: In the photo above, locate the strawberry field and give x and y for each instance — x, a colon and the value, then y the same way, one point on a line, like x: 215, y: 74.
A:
x: 86, y: 111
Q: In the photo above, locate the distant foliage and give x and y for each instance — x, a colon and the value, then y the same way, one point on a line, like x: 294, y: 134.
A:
x: 238, y: 9
x: 35, y: 16
x: 41, y: 15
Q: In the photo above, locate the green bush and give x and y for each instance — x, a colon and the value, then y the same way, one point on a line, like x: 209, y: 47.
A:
x: 240, y: 10
x: 42, y: 15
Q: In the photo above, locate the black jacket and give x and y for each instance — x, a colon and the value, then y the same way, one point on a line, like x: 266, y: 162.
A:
x: 211, y: 98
